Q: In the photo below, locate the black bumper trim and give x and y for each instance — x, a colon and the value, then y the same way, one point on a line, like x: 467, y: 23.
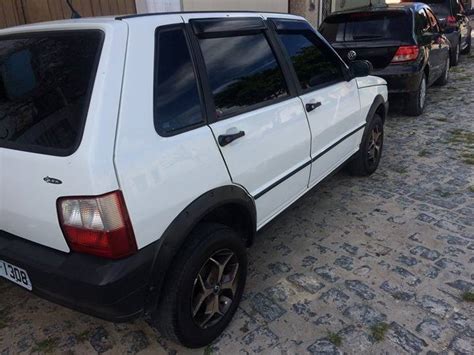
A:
x: 113, y: 290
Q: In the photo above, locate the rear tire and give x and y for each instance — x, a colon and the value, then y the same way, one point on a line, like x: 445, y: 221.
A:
x: 368, y: 158
x: 444, y: 78
x: 417, y: 100
x: 455, y: 54
x: 198, y: 288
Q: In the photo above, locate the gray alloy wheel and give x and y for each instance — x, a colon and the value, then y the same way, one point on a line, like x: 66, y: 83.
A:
x: 214, y: 288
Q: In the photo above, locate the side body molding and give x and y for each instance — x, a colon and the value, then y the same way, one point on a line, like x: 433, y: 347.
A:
x: 175, y: 235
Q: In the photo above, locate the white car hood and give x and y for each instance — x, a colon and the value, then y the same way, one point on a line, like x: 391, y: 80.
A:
x: 370, y: 80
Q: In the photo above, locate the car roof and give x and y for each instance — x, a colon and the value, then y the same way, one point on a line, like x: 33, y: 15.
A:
x: 108, y: 20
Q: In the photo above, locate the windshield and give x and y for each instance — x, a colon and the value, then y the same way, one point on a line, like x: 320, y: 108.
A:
x: 367, y: 26
x: 45, y: 86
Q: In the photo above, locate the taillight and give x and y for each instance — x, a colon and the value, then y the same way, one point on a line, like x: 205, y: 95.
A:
x: 406, y: 54
x: 451, y: 21
x: 97, y: 225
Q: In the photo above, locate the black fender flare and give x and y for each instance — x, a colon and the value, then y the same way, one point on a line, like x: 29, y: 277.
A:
x: 378, y: 101
x: 175, y: 235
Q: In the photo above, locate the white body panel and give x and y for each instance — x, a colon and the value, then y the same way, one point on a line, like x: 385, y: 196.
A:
x: 276, y: 143
x: 159, y: 176
x: 338, y: 116
x: 27, y: 202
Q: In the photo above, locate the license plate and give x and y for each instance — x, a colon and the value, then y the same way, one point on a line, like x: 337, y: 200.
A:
x: 15, y: 274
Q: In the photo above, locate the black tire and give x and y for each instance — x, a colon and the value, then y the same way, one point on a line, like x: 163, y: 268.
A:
x: 455, y: 53
x: 467, y: 50
x: 364, y: 163
x: 444, y: 78
x: 174, y: 317
x: 415, y: 101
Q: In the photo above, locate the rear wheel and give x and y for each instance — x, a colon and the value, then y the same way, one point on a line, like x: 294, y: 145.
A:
x: 416, y: 101
x: 455, y: 54
x: 444, y: 78
x: 368, y: 158
x: 204, y: 286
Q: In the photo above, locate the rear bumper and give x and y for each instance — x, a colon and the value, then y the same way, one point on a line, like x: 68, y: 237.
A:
x: 111, y: 290
x: 401, y: 78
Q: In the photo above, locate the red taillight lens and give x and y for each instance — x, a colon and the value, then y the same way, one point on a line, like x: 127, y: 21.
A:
x: 451, y: 21
x: 97, y: 225
x: 406, y: 54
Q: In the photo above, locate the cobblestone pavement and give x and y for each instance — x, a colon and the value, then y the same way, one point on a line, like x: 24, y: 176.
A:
x: 375, y: 265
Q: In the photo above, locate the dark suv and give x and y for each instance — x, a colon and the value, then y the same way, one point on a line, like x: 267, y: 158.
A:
x: 404, y: 43
x: 454, y: 22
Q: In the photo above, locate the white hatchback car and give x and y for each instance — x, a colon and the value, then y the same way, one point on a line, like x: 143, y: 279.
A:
x: 140, y: 155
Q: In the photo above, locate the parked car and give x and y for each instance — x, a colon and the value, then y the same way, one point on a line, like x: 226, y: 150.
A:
x: 454, y: 21
x: 141, y: 154
x: 403, y: 42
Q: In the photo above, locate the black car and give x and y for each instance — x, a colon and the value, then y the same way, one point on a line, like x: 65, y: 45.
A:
x: 454, y: 21
x: 404, y: 43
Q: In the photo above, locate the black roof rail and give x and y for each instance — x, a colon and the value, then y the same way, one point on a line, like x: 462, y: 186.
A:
x: 124, y: 17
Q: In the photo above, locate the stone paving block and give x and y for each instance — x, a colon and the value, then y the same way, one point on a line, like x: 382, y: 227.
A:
x: 434, y: 305
x: 268, y: 309
x: 360, y: 289
x: 430, y: 328
x: 324, y: 347
x: 425, y: 252
x: 307, y: 282
x: 335, y: 296
x: 364, y: 314
x: 406, y: 339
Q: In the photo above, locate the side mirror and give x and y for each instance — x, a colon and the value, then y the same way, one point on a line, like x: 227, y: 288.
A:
x: 360, y: 68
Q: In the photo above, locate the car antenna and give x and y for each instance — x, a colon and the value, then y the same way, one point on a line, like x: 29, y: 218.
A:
x: 74, y: 13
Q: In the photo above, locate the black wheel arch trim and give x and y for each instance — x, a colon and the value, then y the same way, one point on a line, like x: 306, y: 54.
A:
x: 379, y: 101
x: 175, y: 235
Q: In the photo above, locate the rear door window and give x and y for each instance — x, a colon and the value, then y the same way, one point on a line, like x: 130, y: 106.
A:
x: 177, y: 101
x: 367, y: 26
x: 46, y: 82
x: 314, y: 63
x: 243, y: 72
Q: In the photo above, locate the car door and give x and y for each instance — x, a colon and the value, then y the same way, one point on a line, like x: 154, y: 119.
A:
x: 438, y: 47
x: 256, y: 117
x: 328, y: 93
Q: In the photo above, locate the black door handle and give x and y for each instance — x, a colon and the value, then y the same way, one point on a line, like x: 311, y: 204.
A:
x: 312, y: 106
x: 229, y: 138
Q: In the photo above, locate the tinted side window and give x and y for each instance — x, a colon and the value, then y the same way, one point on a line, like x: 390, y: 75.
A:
x: 243, y: 72
x: 313, y: 61
x: 422, y: 22
x: 45, y: 86
x: 177, y: 101
x: 433, y: 21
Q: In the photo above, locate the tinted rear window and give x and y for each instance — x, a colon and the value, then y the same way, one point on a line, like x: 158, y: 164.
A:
x: 367, y: 27
x: 45, y: 86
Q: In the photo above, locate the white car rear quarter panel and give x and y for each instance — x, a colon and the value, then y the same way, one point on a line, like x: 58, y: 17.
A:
x: 159, y: 176
x: 27, y: 203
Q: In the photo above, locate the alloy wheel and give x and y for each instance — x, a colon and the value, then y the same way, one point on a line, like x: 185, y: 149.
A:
x: 215, y: 288
x: 375, y: 145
